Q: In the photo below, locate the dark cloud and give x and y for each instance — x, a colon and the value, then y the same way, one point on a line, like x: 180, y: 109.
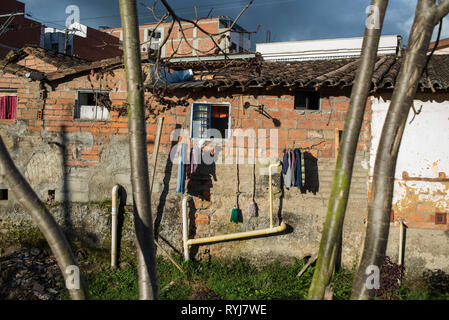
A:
x: 286, y: 19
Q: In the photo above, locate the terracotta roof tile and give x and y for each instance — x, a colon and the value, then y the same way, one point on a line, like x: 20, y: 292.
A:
x: 309, y: 74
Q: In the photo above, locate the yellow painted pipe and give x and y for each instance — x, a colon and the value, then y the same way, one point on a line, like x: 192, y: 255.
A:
x: 232, y: 236
x: 238, y: 235
x: 114, y: 215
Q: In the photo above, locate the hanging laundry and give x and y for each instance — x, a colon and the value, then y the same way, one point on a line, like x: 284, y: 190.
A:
x: 298, y: 168
x: 303, y: 169
x: 180, y: 185
x: 293, y: 168
x: 289, y: 172
x: 195, y: 159
x: 293, y: 176
x: 284, y: 162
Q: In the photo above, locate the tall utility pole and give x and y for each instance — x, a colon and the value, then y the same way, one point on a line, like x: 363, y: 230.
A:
x: 66, y: 39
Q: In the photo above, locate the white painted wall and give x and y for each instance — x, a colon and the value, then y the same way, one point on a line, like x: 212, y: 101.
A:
x: 424, y: 151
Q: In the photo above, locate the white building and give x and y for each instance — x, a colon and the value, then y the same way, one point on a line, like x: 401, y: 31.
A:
x: 324, y: 49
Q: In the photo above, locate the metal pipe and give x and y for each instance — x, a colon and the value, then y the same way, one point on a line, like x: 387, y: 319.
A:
x: 270, y: 187
x: 185, y: 228
x: 401, y: 241
x: 239, y: 235
x: 114, y: 215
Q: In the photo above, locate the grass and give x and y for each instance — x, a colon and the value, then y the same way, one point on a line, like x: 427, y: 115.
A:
x: 236, y: 280
x: 229, y: 280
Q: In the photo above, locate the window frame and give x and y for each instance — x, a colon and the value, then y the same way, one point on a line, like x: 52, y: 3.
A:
x: 77, y: 106
x: 320, y: 98
x: 228, y: 130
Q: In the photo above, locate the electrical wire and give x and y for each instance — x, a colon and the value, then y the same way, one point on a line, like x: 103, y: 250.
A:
x: 187, y: 10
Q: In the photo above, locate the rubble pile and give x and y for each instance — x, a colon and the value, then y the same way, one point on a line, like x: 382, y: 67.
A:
x: 30, y: 274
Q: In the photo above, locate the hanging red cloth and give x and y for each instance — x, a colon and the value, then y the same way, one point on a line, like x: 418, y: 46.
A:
x: 8, y: 107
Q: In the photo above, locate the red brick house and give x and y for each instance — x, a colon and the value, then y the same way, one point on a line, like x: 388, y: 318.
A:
x: 191, y: 40
x: 302, y: 104
x: 21, y: 31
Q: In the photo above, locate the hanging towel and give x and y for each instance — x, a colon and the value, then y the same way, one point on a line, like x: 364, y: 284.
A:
x: 298, y: 168
x: 181, y: 169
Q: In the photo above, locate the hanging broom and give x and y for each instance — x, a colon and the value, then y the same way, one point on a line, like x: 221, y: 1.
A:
x: 235, y: 210
x: 252, y: 210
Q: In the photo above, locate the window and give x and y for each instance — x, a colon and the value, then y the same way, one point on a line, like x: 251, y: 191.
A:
x: 156, y: 33
x: 152, y: 39
x: 91, y: 105
x: 210, y: 116
x: 307, y: 100
x: 440, y: 218
x: 8, y: 107
x: 3, y: 194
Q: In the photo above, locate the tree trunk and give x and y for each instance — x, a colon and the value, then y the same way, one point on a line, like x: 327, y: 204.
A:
x: 379, y: 205
x: 148, y: 286
x: 343, y: 172
x: 28, y: 199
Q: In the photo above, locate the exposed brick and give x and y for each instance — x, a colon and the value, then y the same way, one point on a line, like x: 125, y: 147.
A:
x: 425, y: 207
x: 414, y: 217
x: 297, y: 134
x: 89, y: 156
x: 203, y: 222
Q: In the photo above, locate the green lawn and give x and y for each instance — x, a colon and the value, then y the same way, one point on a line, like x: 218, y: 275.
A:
x: 228, y: 280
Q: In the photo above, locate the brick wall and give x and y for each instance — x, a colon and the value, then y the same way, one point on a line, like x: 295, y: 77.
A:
x: 96, y: 157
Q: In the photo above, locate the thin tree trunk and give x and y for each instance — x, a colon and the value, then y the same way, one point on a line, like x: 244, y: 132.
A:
x: 28, y: 199
x: 379, y: 205
x: 343, y: 172
x: 146, y: 256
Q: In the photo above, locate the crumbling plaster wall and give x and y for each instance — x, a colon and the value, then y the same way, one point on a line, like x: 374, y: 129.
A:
x: 423, y: 154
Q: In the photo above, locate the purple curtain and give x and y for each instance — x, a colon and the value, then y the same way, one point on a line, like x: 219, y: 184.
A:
x: 8, y: 107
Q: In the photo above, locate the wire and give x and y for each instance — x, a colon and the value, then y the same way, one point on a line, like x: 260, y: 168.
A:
x: 433, y: 50
x: 186, y: 10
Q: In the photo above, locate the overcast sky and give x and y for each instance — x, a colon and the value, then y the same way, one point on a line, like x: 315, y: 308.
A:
x: 287, y: 20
